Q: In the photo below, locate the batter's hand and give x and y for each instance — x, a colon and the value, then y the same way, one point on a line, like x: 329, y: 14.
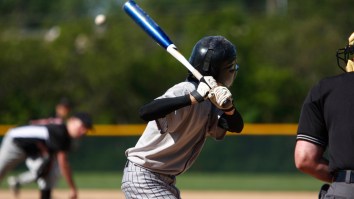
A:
x: 210, y: 81
x: 221, y: 97
x: 202, y: 91
x: 73, y: 194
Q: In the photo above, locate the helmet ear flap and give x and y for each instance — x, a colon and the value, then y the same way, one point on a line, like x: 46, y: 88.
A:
x: 207, y: 60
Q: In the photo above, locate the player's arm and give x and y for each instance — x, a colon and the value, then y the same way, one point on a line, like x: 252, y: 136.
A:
x: 309, y: 159
x: 312, y: 138
x: 159, y: 108
x: 231, y: 121
x: 43, y: 149
x: 67, y: 173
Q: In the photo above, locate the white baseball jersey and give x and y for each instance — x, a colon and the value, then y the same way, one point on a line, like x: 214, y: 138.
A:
x: 171, y: 144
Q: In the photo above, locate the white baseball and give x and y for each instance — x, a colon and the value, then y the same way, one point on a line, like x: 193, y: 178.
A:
x: 100, y: 19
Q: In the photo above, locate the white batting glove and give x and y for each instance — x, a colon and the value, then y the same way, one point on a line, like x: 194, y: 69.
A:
x: 202, y: 91
x: 210, y: 81
x: 221, y: 97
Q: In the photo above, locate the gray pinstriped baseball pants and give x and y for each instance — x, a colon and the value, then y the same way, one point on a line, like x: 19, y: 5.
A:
x: 140, y: 183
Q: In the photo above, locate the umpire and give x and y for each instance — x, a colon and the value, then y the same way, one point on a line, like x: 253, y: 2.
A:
x: 326, y: 121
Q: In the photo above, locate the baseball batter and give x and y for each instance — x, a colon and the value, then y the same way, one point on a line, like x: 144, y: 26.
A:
x: 180, y: 121
x: 326, y: 123
x: 44, y: 143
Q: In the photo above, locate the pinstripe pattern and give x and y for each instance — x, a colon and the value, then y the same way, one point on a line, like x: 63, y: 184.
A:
x: 140, y: 183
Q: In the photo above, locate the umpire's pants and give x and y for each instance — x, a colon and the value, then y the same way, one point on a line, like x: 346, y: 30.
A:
x: 340, y: 190
x: 342, y: 186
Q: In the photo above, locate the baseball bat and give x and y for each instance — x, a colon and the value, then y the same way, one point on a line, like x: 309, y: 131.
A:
x: 156, y: 33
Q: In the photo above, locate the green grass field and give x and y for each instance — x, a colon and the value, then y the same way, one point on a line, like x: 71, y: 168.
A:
x: 204, y: 181
x: 245, y: 182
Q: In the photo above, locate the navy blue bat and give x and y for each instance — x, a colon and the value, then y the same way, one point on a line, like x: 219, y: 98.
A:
x: 155, y: 32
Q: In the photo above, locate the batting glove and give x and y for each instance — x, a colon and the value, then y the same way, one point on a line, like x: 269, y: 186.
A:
x: 202, y: 92
x: 210, y: 81
x: 221, y: 97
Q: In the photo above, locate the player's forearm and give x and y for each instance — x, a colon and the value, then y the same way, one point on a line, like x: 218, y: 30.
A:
x: 159, y: 108
x: 66, y: 170
x: 309, y: 159
x: 323, y: 172
x: 232, y: 122
x: 319, y: 170
x: 43, y: 149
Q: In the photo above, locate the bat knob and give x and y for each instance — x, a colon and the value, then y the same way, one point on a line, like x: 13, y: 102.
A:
x: 228, y: 104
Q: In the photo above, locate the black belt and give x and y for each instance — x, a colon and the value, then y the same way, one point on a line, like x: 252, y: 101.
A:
x: 127, y: 163
x: 344, y: 176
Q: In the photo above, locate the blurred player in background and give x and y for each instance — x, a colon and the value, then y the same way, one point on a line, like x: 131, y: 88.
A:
x: 180, y: 121
x: 62, y: 111
x: 326, y: 121
x: 43, y: 143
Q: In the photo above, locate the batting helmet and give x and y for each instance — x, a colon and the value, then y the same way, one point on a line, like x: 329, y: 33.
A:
x: 215, y: 56
x: 345, y: 55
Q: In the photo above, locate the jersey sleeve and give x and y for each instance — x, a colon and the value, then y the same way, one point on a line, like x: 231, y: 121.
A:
x: 159, y: 108
x: 312, y: 125
x: 171, y: 121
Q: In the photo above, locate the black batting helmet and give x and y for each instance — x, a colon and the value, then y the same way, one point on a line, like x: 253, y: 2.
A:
x: 215, y: 56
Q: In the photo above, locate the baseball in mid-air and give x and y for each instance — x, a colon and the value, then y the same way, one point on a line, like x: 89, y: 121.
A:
x: 100, y: 19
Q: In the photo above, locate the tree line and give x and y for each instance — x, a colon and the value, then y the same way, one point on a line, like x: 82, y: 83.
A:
x: 54, y: 49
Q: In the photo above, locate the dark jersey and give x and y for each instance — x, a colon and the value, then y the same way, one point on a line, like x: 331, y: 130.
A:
x: 59, y: 139
x: 327, y: 119
x: 55, y: 137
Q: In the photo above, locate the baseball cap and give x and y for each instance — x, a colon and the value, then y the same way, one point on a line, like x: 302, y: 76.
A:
x: 85, y: 119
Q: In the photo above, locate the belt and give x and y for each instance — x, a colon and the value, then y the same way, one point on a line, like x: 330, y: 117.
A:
x: 127, y: 163
x: 161, y: 174
x: 344, y: 176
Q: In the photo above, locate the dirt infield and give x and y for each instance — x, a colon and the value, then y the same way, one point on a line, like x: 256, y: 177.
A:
x: 116, y: 194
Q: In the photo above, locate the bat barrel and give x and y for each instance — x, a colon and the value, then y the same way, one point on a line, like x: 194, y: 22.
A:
x: 146, y: 23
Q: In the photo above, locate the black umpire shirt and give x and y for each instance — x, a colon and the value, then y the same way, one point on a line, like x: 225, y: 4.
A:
x: 327, y: 119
